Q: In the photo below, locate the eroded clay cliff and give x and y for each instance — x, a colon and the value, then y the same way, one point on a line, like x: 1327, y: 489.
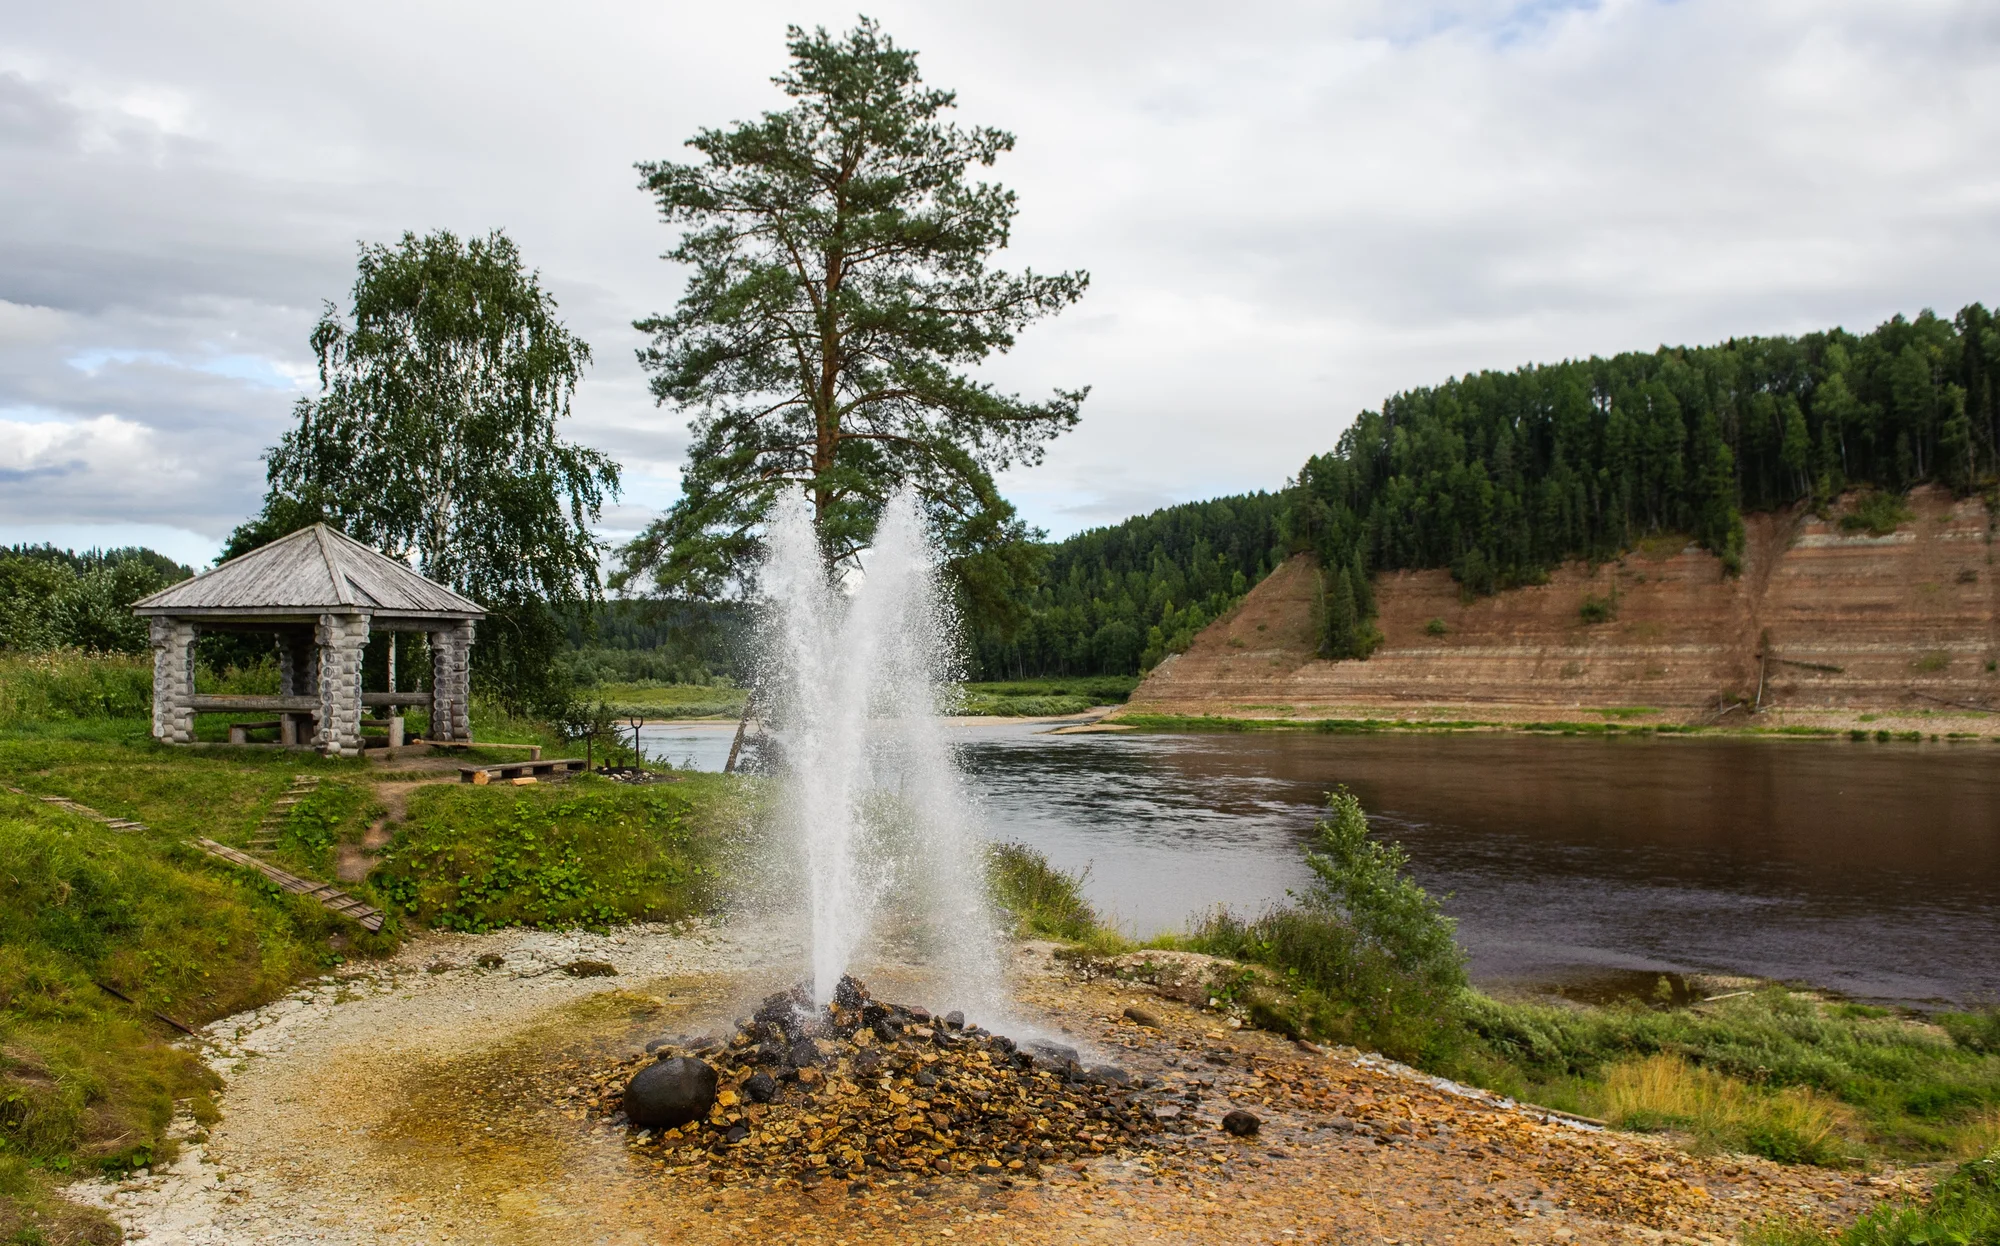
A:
x: 1818, y: 619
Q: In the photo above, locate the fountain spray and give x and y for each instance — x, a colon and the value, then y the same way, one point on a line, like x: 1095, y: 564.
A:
x: 872, y: 797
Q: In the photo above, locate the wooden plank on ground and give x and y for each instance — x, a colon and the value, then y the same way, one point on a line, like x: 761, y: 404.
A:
x: 330, y: 897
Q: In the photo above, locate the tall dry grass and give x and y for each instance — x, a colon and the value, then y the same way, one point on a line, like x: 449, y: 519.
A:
x: 1795, y: 1124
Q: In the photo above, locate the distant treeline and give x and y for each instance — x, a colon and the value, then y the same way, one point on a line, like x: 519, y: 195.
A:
x: 58, y: 599
x: 1115, y: 600
x: 651, y: 641
x: 1501, y: 476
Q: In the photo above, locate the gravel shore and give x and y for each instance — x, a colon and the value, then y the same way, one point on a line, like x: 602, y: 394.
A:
x: 430, y: 1099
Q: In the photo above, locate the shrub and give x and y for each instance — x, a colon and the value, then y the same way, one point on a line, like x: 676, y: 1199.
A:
x: 1597, y: 609
x: 1975, y: 1031
x: 1436, y: 627
x: 1372, y: 953
x: 1876, y: 513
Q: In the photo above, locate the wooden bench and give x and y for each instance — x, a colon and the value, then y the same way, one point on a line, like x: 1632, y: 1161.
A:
x: 521, y: 771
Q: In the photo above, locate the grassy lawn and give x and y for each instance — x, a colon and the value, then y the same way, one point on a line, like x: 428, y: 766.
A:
x: 89, y: 1081
x: 584, y: 853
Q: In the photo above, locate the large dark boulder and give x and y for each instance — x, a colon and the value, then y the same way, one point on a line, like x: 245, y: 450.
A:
x: 669, y: 1093
x: 1241, y: 1124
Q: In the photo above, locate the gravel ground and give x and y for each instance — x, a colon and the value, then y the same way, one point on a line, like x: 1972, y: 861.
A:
x: 409, y: 1102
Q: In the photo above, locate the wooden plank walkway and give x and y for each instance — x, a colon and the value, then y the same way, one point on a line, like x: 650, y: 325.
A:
x: 329, y: 896
x: 83, y: 811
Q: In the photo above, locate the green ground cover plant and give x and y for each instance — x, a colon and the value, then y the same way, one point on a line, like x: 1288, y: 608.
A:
x: 587, y: 853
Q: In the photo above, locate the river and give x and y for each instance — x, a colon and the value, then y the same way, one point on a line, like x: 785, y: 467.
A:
x: 1588, y: 864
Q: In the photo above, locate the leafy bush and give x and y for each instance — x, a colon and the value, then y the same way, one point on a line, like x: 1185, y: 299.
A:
x: 55, y: 599
x: 1374, y: 955
x: 1876, y: 513
x: 1975, y: 1031
x: 1597, y: 609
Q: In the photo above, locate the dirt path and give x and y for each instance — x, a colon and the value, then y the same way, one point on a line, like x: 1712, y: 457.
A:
x: 398, y: 1104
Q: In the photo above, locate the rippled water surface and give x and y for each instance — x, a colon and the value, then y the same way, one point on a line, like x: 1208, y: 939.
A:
x: 1871, y: 869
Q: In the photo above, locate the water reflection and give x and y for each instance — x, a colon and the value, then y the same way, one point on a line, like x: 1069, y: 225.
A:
x: 1872, y: 869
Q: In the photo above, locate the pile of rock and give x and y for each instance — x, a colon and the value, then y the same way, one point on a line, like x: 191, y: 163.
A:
x: 633, y: 774
x: 863, y: 1085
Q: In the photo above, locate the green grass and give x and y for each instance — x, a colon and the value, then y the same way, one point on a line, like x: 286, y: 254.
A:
x: 1046, y: 698
x: 89, y: 1082
x: 586, y: 853
x: 1046, y: 902
x: 67, y: 686
x: 657, y: 700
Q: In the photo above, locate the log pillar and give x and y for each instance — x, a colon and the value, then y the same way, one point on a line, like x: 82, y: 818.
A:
x: 298, y: 676
x: 340, y: 639
x: 451, y: 682
x: 173, y: 680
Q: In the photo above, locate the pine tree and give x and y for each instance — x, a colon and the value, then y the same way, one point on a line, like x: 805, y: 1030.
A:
x: 1342, y: 623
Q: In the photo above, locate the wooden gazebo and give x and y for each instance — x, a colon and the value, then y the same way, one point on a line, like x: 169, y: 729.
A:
x: 322, y: 592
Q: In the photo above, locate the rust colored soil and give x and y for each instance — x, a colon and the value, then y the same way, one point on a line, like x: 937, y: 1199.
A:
x: 463, y: 1125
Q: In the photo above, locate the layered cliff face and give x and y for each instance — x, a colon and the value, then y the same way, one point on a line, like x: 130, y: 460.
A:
x: 1819, y: 619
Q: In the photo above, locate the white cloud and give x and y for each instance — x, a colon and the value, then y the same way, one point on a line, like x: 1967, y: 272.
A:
x: 100, y: 467
x: 1289, y: 210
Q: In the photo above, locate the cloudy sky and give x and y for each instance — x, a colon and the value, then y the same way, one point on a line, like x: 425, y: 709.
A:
x: 1289, y: 210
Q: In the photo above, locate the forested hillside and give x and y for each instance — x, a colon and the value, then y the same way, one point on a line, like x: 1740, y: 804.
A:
x: 1501, y: 476
x: 1115, y: 600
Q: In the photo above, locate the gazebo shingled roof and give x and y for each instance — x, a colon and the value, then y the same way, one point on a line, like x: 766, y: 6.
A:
x: 316, y: 569
x: 322, y: 592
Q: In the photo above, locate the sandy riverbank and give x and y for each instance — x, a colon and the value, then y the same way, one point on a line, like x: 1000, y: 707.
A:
x: 397, y: 1104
